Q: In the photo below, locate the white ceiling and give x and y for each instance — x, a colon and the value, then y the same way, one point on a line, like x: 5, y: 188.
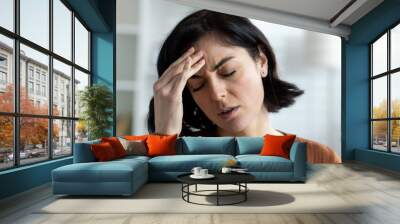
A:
x: 314, y: 15
x: 321, y: 9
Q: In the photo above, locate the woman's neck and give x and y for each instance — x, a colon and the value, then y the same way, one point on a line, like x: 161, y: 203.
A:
x: 259, y: 127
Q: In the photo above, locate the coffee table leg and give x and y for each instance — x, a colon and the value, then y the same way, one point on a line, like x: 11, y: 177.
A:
x: 245, y: 191
x: 196, y: 188
x: 217, y: 194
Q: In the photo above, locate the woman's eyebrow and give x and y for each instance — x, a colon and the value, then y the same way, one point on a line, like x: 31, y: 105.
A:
x: 219, y: 64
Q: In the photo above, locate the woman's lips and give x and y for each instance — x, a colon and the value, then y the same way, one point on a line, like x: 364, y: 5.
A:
x: 229, y: 113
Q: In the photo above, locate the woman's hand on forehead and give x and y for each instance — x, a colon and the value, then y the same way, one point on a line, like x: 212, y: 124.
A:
x: 168, y: 106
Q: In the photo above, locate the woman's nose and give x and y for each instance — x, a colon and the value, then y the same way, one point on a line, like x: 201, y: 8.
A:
x: 217, y: 89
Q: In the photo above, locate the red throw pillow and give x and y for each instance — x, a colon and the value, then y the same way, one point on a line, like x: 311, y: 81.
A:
x: 277, y: 145
x: 103, y: 151
x: 116, y: 145
x: 161, y: 145
x: 136, y: 137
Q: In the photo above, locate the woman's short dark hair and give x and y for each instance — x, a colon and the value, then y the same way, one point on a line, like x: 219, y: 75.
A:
x: 234, y: 31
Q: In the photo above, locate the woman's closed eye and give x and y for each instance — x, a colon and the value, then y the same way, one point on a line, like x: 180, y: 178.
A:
x: 198, y: 86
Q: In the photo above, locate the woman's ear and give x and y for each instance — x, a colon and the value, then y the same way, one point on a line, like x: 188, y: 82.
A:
x: 262, y: 63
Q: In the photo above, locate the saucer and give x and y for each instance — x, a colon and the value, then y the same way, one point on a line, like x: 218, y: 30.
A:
x: 208, y: 176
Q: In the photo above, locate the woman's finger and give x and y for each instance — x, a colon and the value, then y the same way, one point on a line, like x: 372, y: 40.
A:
x: 189, y: 52
x: 171, y: 85
x: 178, y: 70
x: 178, y: 61
x: 189, y: 73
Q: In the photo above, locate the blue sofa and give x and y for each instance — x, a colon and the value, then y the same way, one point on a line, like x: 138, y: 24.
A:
x: 126, y: 175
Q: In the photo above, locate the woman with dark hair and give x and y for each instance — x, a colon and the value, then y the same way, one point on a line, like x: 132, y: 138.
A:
x: 218, y: 77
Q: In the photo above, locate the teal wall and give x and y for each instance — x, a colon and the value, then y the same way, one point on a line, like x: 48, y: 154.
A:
x: 99, y: 16
x: 24, y: 178
x: 355, y: 85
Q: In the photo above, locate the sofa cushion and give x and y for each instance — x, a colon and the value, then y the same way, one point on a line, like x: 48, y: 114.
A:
x: 111, y: 171
x: 185, y: 163
x: 207, y: 145
x: 257, y: 163
x: 249, y: 145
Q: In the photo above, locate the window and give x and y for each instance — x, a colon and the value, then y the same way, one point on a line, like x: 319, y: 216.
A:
x: 3, y: 78
x: 56, y: 126
x: 43, y: 90
x: 81, y: 45
x: 7, y: 14
x: 34, y: 21
x: 38, y: 89
x: 385, y: 94
x: 3, y: 72
x: 30, y: 72
x: 30, y: 87
x: 37, y: 74
x: 3, y: 61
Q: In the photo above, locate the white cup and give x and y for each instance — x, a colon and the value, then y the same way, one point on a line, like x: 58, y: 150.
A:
x: 196, y: 170
x: 203, y: 172
x: 226, y: 170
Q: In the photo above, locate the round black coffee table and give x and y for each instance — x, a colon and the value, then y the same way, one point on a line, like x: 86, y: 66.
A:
x: 238, y: 179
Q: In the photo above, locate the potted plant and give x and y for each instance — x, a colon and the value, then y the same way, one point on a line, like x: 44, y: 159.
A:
x: 96, y: 102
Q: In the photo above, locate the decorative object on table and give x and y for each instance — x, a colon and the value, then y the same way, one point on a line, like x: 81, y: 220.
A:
x: 196, y: 170
x: 96, y: 102
x: 232, y: 163
x: 200, y: 173
x: 229, y: 165
x: 237, y: 170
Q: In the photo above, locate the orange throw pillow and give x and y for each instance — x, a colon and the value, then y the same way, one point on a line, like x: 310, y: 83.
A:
x: 103, y: 151
x: 161, y: 145
x: 116, y: 145
x: 136, y: 137
x: 277, y: 145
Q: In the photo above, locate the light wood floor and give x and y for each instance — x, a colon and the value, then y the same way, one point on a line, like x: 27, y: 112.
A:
x: 379, y: 188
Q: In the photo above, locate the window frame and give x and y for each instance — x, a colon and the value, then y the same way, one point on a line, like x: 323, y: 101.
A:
x: 16, y: 114
x: 388, y: 74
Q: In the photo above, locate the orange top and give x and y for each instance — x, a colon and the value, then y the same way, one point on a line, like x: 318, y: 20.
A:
x: 316, y: 152
x: 320, y: 153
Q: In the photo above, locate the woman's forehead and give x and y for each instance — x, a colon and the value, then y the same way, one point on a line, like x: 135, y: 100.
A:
x: 214, y: 51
